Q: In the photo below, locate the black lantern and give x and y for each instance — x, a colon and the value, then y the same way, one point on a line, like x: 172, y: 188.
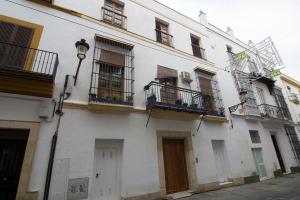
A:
x: 82, y: 48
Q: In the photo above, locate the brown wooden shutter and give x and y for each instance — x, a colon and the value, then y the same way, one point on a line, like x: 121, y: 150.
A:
x: 164, y: 72
x: 205, y: 85
x: 10, y: 55
x: 112, y: 57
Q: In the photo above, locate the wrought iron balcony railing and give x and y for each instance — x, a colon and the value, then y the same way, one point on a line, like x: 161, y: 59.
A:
x: 26, y: 61
x: 198, y: 52
x: 164, y: 38
x: 114, y: 18
x: 169, y: 97
x: 274, y: 112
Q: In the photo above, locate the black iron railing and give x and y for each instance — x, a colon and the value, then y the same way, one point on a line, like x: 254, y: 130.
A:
x: 17, y: 59
x: 198, y: 51
x: 114, y: 18
x: 274, y: 112
x: 180, y: 99
x: 164, y: 38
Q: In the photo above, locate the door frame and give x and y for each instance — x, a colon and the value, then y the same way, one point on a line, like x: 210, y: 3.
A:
x: 226, y: 172
x: 25, y: 175
x: 273, y: 135
x: 189, y: 158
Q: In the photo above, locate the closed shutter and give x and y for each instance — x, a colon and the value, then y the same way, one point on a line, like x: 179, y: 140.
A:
x: 205, y: 85
x: 112, y: 57
x: 10, y: 55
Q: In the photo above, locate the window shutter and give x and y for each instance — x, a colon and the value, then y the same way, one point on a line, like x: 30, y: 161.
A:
x: 112, y: 57
x: 14, y: 56
x: 205, y: 85
x: 164, y: 72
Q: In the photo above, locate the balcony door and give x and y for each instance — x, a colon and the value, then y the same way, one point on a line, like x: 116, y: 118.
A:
x: 207, y: 93
x: 162, y: 33
x: 14, y: 43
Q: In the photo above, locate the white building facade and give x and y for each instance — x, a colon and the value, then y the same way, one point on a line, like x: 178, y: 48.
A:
x: 148, y: 115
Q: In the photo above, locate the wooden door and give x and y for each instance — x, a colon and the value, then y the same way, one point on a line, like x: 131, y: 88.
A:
x: 12, y: 150
x: 175, y: 165
x: 280, y: 160
x: 107, y: 174
x: 15, y: 41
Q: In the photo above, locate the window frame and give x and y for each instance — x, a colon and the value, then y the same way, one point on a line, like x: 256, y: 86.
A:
x: 113, y: 11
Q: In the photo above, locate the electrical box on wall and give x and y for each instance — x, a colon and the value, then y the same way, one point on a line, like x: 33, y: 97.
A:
x: 186, y: 77
x: 47, y: 108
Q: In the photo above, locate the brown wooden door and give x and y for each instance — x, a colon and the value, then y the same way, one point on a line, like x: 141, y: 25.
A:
x: 280, y: 160
x: 175, y: 165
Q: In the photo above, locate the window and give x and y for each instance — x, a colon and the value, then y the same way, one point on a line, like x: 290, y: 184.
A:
x: 229, y: 49
x: 261, y: 95
x: 208, y: 86
x: 162, y: 33
x: 167, y: 77
x: 112, y: 72
x: 229, y: 52
x: 197, y: 50
x: 255, y: 138
x: 113, y: 13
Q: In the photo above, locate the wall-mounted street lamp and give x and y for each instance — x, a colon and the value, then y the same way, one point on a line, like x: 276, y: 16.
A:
x: 243, y: 94
x: 82, y: 48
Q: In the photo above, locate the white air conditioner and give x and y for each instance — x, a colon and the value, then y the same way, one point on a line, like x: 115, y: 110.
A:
x: 186, y: 77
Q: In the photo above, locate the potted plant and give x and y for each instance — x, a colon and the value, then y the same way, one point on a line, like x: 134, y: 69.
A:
x: 178, y: 102
x: 151, y: 99
x: 93, y: 96
x: 109, y: 99
x: 222, y: 111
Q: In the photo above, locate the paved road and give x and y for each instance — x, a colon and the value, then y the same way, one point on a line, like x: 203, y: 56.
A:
x: 284, y: 188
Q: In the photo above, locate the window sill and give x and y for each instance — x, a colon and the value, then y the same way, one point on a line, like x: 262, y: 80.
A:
x: 110, y: 108
x: 216, y: 119
x: 112, y: 24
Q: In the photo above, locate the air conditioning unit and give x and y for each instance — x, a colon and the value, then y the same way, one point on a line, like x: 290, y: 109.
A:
x: 186, y: 77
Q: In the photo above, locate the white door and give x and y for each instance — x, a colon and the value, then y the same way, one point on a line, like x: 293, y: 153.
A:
x: 218, y: 148
x: 106, y: 174
x: 259, y: 162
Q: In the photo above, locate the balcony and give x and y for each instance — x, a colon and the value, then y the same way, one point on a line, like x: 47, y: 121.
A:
x: 274, y: 112
x: 172, y: 102
x: 164, y: 38
x: 114, y: 18
x: 27, y: 71
x: 198, y: 51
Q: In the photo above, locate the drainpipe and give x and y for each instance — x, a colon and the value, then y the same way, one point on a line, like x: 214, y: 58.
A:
x: 59, y: 112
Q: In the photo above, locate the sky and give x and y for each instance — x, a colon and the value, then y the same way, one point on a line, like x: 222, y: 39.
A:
x: 253, y: 20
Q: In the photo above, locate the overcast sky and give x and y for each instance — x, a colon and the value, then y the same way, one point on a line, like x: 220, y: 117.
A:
x: 254, y: 20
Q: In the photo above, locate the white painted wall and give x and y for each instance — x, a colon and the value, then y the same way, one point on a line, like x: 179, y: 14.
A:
x: 80, y: 128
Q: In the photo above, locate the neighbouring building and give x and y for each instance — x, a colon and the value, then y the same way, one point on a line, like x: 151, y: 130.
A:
x: 148, y: 114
